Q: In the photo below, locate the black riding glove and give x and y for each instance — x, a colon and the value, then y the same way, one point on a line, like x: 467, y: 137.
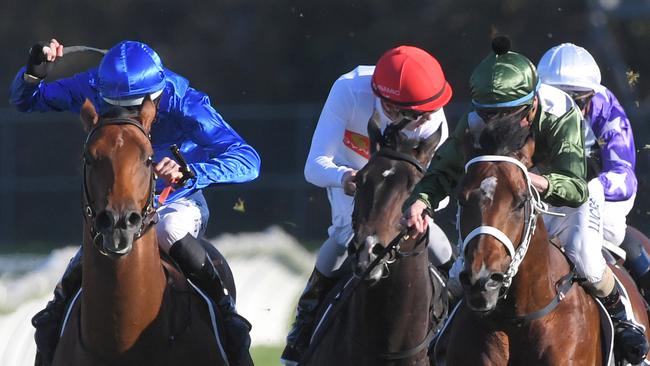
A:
x: 37, y: 64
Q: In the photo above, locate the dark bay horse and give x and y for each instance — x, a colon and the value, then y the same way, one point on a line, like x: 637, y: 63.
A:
x: 387, y: 319
x: 134, y: 309
x: 520, y: 305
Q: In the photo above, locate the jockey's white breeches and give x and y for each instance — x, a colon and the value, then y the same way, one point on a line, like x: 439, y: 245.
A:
x: 580, y: 231
x: 334, y: 250
x: 187, y: 215
x: 615, y: 219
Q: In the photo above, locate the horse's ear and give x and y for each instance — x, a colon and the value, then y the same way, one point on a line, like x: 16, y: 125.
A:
x: 374, y: 133
x: 89, y: 115
x: 526, y: 152
x: 147, y: 113
x: 427, y: 147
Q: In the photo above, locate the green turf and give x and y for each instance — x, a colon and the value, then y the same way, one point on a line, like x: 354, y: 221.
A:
x: 266, y: 355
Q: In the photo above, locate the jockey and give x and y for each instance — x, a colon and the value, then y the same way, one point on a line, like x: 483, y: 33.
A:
x: 506, y: 83
x: 407, y: 83
x: 128, y: 73
x: 612, y: 159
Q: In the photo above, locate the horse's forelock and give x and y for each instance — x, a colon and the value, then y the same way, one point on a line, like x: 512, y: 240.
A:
x: 503, y: 135
x: 118, y: 112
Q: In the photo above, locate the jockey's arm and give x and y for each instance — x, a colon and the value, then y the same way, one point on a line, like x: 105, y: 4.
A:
x: 444, y: 172
x: 618, y: 155
x: 320, y: 168
x: 67, y: 94
x: 231, y: 160
x: 565, y: 167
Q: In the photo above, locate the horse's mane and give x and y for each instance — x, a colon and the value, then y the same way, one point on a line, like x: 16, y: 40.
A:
x: 503, y: 135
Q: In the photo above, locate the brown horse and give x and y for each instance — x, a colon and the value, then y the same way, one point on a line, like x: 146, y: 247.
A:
x: 386, y: 317
x: 134, y: 308
x: 521, y: 306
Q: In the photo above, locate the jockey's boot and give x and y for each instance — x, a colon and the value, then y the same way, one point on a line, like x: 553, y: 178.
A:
x: 196, y: 264
x: 318, y: 286
x: 48, y: 321
x: 629, y: 336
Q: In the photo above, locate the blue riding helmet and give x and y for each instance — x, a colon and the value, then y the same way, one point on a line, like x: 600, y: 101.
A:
x: 128, y: 72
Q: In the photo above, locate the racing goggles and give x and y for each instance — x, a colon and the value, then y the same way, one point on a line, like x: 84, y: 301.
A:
x: 581, y: 98
x: 488, y: 114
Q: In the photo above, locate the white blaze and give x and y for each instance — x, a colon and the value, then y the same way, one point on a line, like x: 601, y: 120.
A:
x: 488, y: 185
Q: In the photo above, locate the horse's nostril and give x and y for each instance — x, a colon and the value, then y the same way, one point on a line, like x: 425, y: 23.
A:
x: 497, y: 277
x: 495, y: 281
x: 377, y: 249
x: 134, y: 219
x: 104, y: 221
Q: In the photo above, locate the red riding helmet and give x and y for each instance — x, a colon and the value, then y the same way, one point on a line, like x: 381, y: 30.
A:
x: 411, y: 78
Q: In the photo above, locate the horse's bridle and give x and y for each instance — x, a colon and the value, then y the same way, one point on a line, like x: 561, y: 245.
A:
x: 394, y: 252
x: 393, y: 154
x: 148, y: 212
x: 534, y: 206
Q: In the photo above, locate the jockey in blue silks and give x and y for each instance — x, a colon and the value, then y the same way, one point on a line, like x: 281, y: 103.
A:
x: 130, y: 72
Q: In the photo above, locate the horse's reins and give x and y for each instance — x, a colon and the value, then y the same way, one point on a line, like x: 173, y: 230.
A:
x: 392, y: 251
x: 148, y: 213
x: 392, y: 247
x: 534, y: 207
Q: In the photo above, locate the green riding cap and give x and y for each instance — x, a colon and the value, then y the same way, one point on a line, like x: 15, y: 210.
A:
x: 503, y: 79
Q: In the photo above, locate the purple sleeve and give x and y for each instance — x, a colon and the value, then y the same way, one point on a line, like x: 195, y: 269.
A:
x: 614, y: 133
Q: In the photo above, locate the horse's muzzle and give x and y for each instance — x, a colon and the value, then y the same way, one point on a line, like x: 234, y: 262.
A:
x: 116, y: 232
x: 116, y: 243
x: 367, y: 253
x: 482, y: 293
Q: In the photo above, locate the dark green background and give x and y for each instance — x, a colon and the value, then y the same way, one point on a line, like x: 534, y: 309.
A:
x: 268, y: 66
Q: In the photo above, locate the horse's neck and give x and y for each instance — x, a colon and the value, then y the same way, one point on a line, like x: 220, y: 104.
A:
x: 121, y: 297
x: 534, y: 285
x: 387, y: 315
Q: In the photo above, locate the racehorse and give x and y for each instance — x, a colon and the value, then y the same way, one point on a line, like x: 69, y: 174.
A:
x: 386, y: 315
x: 521, y: 303
x: 134, y: 308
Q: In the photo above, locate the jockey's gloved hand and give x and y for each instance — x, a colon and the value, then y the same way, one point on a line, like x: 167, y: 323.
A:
x: 37, y: 64
x: 41, y: 58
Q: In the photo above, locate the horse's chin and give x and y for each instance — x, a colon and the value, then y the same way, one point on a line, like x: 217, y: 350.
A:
x: 482, y: 303
x: 480, y: 311
x: 115, y: 246
x: 373, y: 277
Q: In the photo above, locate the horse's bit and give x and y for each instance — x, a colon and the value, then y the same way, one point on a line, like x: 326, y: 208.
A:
x: 148, y: 213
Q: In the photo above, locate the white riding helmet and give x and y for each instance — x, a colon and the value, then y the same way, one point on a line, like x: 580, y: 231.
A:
x: 569, y: 67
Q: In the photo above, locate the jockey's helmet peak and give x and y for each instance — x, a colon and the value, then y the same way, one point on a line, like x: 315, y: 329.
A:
x: 504, y: 78
x: 411, y: 78
x: 569, y: 67
x: 130, y: 71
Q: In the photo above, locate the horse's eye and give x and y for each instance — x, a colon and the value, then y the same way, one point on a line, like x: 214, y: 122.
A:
x: 521, y: 202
